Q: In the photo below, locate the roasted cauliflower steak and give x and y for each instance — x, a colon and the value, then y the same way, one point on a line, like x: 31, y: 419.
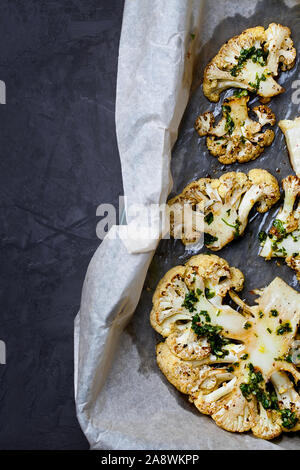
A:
x: 237, y: 137
x: 251, y: 61
x: 283, y: 240
x: 234, y: 364
x: 291, y: 130
x: 219, y: 207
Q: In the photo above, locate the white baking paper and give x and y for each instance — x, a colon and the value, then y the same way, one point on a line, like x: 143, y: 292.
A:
x: 122, y: 399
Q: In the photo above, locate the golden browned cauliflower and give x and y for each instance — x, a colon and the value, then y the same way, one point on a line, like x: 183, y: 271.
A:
x: 236, y: 366
x: 250, y: 61
x: 237, y: 137
x: 219, y: 208
x: 291, y: 130
x: 283, y: 240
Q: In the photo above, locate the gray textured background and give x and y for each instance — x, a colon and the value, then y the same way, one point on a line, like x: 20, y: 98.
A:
x: 59, y: 161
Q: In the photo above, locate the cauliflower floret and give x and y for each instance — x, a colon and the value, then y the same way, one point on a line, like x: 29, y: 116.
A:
x: 281, y: 48
x: 267, y: 425
x: 291, y: 130
x: 240, y: 379
x: 236, y: 137
x: 241, y: 417
x: 195, y: 287
x: 219, y: 208
x: 187, y: 375
x: 250, y: 61
x: 283, y: 240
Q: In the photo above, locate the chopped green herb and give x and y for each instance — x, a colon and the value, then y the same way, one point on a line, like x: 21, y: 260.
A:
x: 209, y: 239
x: 284, y: 328
x: 189, y: 301
x: 209, y: 218
x: 267, y: 398
x: 247, y: 325
x: 239, y: 93
x: 229, y: 126
x: 278, y: 224
x: 260, y: 314
x: 236, y: 226
x: 258, y: 80
x: 209, y: 294
x: 288, y: 418
x: 286, y: 358
x: 257, y: 55
x: 274, y: 313
x: 206, y: 315
x: 244, y: 356
x: 269, y: 331
x: 212, y: 333
x: 262, y: 236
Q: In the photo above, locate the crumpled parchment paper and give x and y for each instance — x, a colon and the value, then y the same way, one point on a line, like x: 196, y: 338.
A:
x: 122, y: 399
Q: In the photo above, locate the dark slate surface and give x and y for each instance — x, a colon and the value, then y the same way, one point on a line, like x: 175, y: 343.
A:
x: 59, y: 161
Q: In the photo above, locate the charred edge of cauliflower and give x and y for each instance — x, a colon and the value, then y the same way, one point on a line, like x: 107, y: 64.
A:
x: 220, y: 206
x: 247, y: 388
x: 236, y: 137
x: 283, y: 240
x: 250, y: 61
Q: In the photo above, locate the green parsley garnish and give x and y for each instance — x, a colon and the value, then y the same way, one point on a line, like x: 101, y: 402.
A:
x: 189, y: 301
x: 209, y: 239
x: 229, y: 126
x: 288, y: 418
x: 209, y: 294
x: 239, y: 93
x: 262, y: 236
x: 257, y: 55
x: 284, y: 328
x: 212, y: 333
x: 258, y: 80
x: 278, y: 224
x: 209, y: 218
x: 236, y: 226
x: 268, y: 399
x: 244, y: 356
